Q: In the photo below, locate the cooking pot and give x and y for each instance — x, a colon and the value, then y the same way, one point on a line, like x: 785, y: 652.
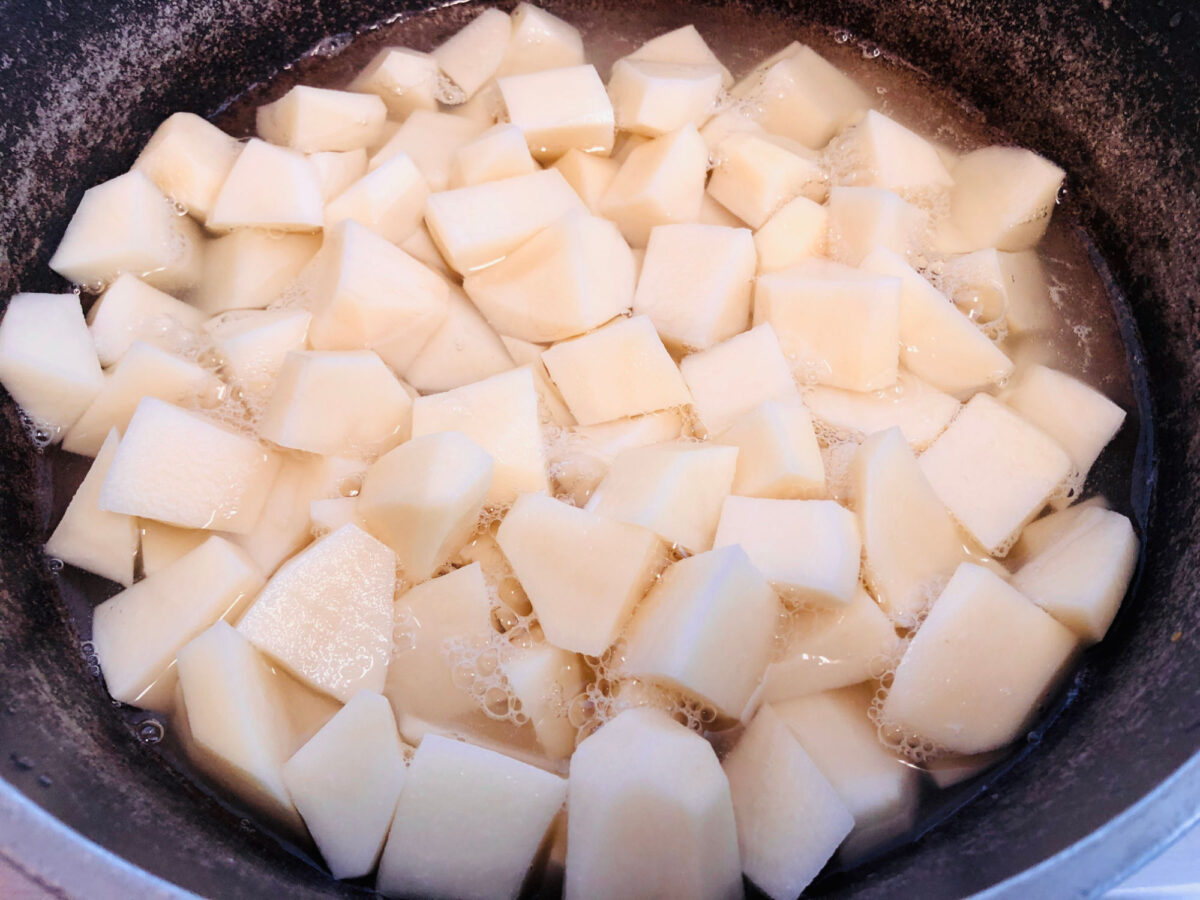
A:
x: 1108, y: 89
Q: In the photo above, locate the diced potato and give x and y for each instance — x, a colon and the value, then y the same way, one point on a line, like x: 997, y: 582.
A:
x: 878, y: 789
x: 188, y: 159
x: 880, y: 152
x: 389, y: 200
x: 977, y: 285
x: 545, y: 679
x: 947, y: 771
x: 832, y: 648
x: 500, y: 414
x: 337, y: 170
x: 590, y: 175
x: 127, y: 225
x: 249, y: 268
x: 730, y: 379
x: 500, y: 152
x: 182, y: 469
x: 938, y: 342
x: 475, y: 226
x: 463, y: 350
x: 713, y: 213
x: 583, y: 572
x: 144, y: 371
x: 796, y: 232
x: 864, y: 218
x: 130, y: 310
x: 423, y: 499
x: 1003, y: 197
x: 683, y: 46
x: 625, y: 144
x: 1081, y: 578
x: 332, y: 513
x: 468, y: 823
x: 47, y: 359
x: 311, y: 119
x: 978, y: 667
x: 757, y: 174
x: 539, y: 41
x: 659, y: 183
x: 994, y: 471
x: 472, y: 55
x: 778, y: 454
x: 269, y: 187
x: 652, y: 98
x: 162, y: 544
x: 620, y: 370
x: 582, y: 459
x: 1039, y: 534
x: 406, y: 80
x: 138, y: 632
x: 734, y: 119
x: 695, y: 284
x: 552, y: 407
x: 771, y: 780
x: 648, y: 794
x: 337, y: 403
x: 920, y: 411
x: 345, y: 782
x: 909, y: 540
x: 254, y: 342
x: 326, y: 615
x: 569, y: 278
x: 808, y: 549
x: 420, y: 246
x: 1078, y: 417
x: 235, y: 722
x: 837, y: 326
x: 88, y: 537
x: 702, y: 607
x: 430, y: 140
x: 560, y: 109
x: 675, y: 490
x: 486, y: 108
x: 1026, y: 293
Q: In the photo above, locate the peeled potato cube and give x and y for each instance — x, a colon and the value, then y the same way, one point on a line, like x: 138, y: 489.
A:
x: 878, y: 789
x: 477, y: 225
x: 695, y: 284
x: 939, y: 343
x: 569, y: 278
x: 702, y: 606
x: 794, y: 233
x: 808, y: 549
x: 472, y: 55
x: 588, y: 174
x: 390, y: 200
x: 920, y: 411
x: 1039, y: 534
x: 423, y: 499
x: 127, y: 225
x: 838, y: 326
x: 832, y: 648
x: 648, y: 792
x: 179, y: 468
x: 619, y: 370
x: 583, y: 572
x: 659, y: 183
x: 880, y: 152
x: 269, y: 187
x: 337, y: 170
x: 249, y: 268
x: 994, y: 471
x: 539, y: 41
x: 188, y: 159
x: 731, y: 120
x: 337, y: 403
x: 144, y: 371
x: 683, y: 47
x: 500, y: 152
x: 1026, y: 292
x: 406, y: 80
x: 730, y: 379
x: 862, y: 219
x: 420, y: 246
x: 560, y: 109
x: 771, y: 779
x: 910, y: 542
x: 326, y: 615
x: 97, y: 541
x: 130, y: 310
x: 1078, y: 417
x: 1003, y: 197
x: 757, y: 174
x: 463, y: 350
x: 138, y: 632
x: 778, y: 454
x: 235, y: 721
x: 675, y: 490
x: 47, y: 359
x: 254, y: 342
x: 1081, y: 578
x: 652, y: 98
x: 500, y: 414
x: 311, y: 119
x: 331, y: 513
x: 981, y: 662
x: 430, y: 139
x: 545, y: 679
x: 345, y: 782
x: 162, y: 544
x: 582, y: 458
x: 552, y: 407
x: 468, y: 823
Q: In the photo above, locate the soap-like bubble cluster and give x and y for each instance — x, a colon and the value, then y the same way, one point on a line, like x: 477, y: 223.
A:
x: 477, y: 669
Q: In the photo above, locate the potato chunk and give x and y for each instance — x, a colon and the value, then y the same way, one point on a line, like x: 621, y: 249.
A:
x: 583, y: 572
x: 406, y: 80
x: 757, y: 174
x: 652, y: 98
x: 560, y: 109
x: 589, y: 175
x: 581, y: 460
x: 647, y: 792
x: 337, y: 170
x: 778, y: 454
x: 1003, y: 197
x: 979, y: 665
x: 253, y: 344
x: 540, y: 40
x: 472, y: 55
x: 249, y: 268
x: 326, y: 615
x: 500, y: 152
x: 311, y: 120
x: 463, y: 350
x: 430, y: 140
x: 390, y: 200
x: 546, y: 679
x: 468, y: 823
x: 188, y: 159
x: 919, y: 410
x: 683, y: 47
x: 862, y: 219
x: 880, y: 152
x: 131, y: 310
x: 795, y: 232
x: 269, y: 187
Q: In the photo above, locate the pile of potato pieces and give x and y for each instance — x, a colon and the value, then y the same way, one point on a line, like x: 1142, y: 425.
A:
x: 623, y: 322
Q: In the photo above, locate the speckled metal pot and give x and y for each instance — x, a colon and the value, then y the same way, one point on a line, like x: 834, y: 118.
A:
x: 1108, y: 88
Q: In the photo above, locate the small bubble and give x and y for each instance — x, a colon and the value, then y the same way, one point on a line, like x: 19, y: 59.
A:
x: 45, y: 781
x: 246, y: 826
x: 54, y: 565
x: 150, y: 731
x: 842, y: 37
